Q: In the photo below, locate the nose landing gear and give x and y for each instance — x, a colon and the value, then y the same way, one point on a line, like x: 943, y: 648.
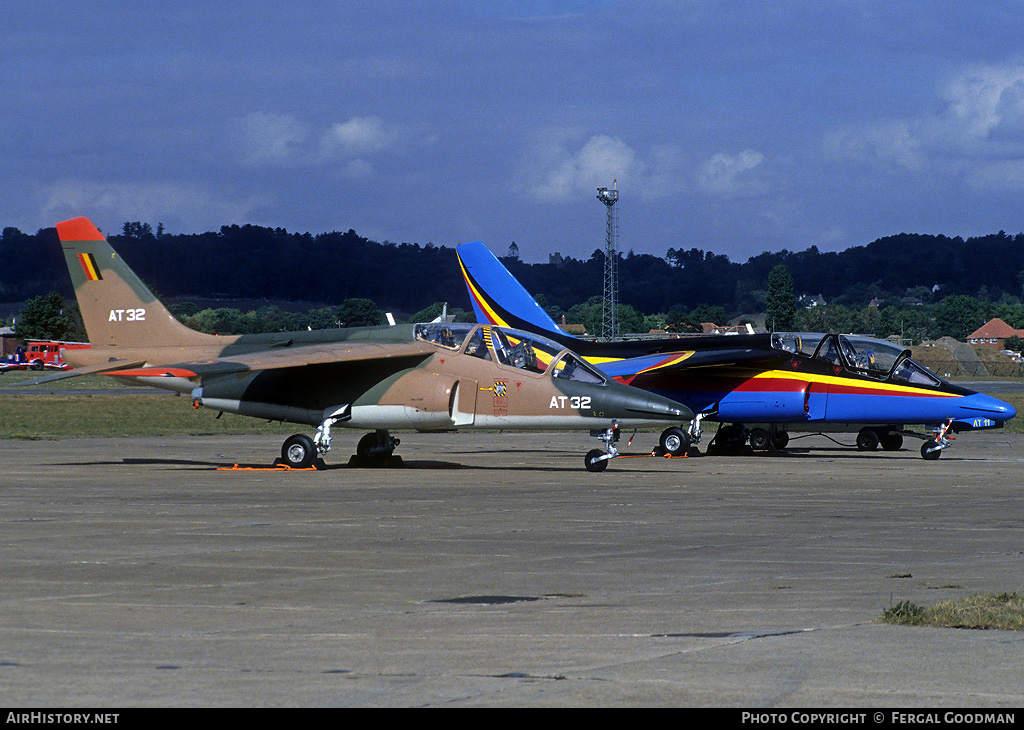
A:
x: 931, y: 450
x: 597, y: 459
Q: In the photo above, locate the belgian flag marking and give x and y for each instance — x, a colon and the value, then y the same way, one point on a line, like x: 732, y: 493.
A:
x: 92, y: 271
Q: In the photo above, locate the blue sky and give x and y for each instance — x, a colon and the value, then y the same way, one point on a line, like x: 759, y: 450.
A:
x: 735, y: 127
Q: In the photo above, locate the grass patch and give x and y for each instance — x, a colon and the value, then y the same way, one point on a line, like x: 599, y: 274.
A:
x: 56, y: 416
x: 987, y: 611
x: 1014, y: 425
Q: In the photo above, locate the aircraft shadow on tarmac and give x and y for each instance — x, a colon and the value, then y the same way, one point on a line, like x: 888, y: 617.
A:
x: 397, y: 465
x: 630, y: 462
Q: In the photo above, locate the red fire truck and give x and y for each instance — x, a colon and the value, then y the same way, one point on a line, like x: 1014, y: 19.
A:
x: 41, y: 354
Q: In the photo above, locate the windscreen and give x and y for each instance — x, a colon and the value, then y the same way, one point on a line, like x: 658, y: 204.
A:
x: 800, y: 343
x: 571, y: 367
x: 910, y: 372
x: 520, y: 350
x: 872, y: 356
x: 445, y: 334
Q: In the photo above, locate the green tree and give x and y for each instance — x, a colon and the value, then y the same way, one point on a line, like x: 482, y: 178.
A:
x: 47, y: 317
x: 781, y: 302
x: 693, y: 321
x: 958, y: 316
x: 358, y: 312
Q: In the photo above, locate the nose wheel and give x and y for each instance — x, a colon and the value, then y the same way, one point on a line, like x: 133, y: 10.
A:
x: 597, y: 459
x: 931, y: 450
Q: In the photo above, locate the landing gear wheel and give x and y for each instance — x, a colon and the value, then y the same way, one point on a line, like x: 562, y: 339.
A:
x: 298, y: 451
x: 892, y: 441
x: 594, y: 462
x: 930, y: 450
x: 376, y: 449
x: 366, y: 443
x: 731, y: 437
x: 674, y: 441
x: 867, y: 440
x: 760, y: 439
x: 780, y: 440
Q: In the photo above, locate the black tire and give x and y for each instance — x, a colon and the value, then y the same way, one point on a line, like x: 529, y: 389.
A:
x: 594, y: 462
x: 930, y: 450
x: 298, y: 451
x: 892, y: 441
x: 867, y: 440
x: 760, y: 439
x: 366, y: 443
x: 780, y: 440
x: 730, y: 437
x: 674, y: 441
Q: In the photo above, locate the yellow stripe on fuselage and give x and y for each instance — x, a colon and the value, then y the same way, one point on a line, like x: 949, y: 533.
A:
x: 887, y: 388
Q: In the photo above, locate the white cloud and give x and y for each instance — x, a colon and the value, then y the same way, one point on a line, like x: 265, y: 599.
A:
x: 556, y: 173
x: 981, y: 118
x: 281, y: 140
x: 192, y: 207
x: 985, y: 97
x: 269, y: 139
x: 724, y: 174
x: 882, y: 144
x: 357, y: 136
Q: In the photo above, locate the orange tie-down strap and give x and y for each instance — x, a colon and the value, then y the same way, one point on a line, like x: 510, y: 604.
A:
x: 275, y: 467
x: 649, y: 456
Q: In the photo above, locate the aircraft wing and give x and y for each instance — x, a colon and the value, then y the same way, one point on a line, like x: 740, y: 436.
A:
x: 283, y: 357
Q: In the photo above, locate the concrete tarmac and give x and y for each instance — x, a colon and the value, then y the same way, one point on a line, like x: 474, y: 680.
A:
x: 493, y: 570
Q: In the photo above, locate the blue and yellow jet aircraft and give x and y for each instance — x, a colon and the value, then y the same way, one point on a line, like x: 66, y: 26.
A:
x: 759, y: 387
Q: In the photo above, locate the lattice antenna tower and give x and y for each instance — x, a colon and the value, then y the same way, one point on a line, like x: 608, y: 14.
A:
x: 609, y: 322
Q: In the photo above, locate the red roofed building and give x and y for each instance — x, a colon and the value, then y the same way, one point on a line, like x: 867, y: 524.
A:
x: 993, y: 334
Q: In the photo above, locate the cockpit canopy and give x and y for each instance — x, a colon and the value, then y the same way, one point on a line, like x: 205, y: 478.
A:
x: 875, y: 358
x: 509, y: 347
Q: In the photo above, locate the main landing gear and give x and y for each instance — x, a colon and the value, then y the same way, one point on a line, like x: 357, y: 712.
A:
x: 774, y: 439
x: 374, y: 449
x: 300, y: 451
x: 869, y: 439
x: 677, y: 441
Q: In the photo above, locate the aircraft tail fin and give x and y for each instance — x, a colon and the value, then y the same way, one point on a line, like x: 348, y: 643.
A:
x: 117, y: 308
x: 498, y: 298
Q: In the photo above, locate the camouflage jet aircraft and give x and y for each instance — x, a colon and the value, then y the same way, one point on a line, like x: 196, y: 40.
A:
x: 434, y: 376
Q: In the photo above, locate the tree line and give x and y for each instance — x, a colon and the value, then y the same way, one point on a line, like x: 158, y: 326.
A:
x: 917, y: 286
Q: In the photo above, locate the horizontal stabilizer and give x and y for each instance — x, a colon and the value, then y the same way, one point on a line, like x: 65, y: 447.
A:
x: 106, y: 368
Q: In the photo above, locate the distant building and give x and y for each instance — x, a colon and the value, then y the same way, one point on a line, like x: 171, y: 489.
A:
x: 8, y: 342
x: 994, y: 334
x: 710, y: 328
x: 578, y: 330
x: 807, y: 301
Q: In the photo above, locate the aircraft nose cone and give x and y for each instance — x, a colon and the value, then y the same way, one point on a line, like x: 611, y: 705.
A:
x: 650, y: 405
x: 986, y: 406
